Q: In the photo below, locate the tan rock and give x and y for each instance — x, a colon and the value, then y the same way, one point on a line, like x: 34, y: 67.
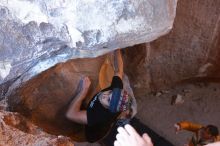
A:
x: 15, y: 130
x: 46, y: 97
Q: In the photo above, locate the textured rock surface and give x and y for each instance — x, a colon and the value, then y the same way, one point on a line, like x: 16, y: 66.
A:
x: 37, y: 34
x: 15, y: 130
x: 45, y: 98
x: 191, y: 49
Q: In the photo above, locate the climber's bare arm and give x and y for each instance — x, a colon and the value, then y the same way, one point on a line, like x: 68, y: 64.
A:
x: 118, y: 64
x: 74, y: 112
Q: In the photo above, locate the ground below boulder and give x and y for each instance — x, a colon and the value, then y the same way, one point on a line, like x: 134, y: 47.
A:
x: 15, y: 130
x: 200, y: 105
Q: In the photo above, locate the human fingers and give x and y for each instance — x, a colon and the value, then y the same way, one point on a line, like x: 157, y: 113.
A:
x: 214, y: 144
x: 177, y: 128
x: 147, y: 139
x: 121, y: 139
x: 123, y: 132
x: 131, y: 131
x: 86, y: 81
x: 116, y: 143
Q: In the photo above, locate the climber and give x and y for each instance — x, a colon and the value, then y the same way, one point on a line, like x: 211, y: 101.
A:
x: 105, y: 107
x: 203, y: 134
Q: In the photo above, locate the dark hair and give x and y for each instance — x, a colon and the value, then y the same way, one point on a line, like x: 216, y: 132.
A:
x: 213, y: 130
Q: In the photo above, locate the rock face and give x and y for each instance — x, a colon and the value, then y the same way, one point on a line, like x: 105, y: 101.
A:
x: 45, y: 98
x: 16, y: 130
x: 35, y: 35
x: 190, y: 50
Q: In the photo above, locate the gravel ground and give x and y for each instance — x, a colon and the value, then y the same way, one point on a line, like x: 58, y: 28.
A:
x: 201, y: 105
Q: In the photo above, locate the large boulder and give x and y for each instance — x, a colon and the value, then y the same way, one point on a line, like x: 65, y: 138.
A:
x: 35, y: 35
x: 46, y: 97
x: 190, y: 50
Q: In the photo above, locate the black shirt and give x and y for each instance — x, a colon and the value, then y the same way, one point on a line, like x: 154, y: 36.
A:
x: 99, y: 118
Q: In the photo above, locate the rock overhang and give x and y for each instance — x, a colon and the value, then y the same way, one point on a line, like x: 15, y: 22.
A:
x: 36, y: 35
